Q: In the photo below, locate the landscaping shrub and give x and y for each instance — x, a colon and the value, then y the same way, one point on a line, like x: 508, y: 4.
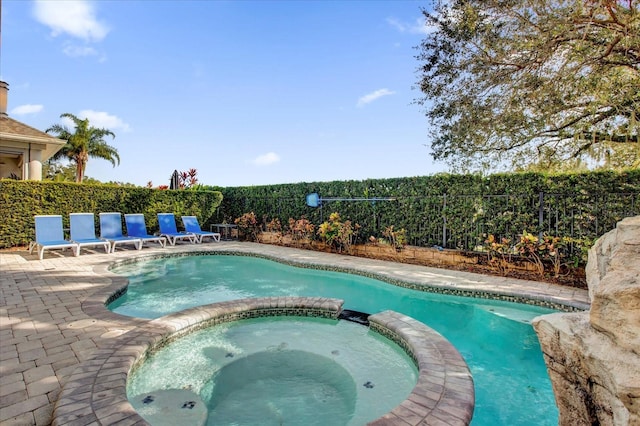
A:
x: 248, y: 227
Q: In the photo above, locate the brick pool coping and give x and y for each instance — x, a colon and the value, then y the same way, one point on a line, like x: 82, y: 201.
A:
x: 96, y: 390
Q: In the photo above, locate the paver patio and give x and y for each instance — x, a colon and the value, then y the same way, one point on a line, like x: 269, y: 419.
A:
x: 49, y: 321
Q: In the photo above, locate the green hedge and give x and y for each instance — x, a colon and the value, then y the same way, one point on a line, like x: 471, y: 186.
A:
x: 455, y: 211
x: 21, y: 200
x: 452, y: 211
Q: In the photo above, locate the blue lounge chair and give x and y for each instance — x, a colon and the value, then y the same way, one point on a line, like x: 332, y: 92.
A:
x: 136, y: 227
x: 111, y: 230
x: 49, y: 235
x: 168, y: 229
x: 192, y: 225
x: 83, y: 231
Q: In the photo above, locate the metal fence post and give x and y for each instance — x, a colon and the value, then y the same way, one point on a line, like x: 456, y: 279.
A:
x: 540, y: 215
x: 444, y: 221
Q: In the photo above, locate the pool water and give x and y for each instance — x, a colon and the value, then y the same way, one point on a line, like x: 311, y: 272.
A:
x: 274, y: 371
x: 495, y: 338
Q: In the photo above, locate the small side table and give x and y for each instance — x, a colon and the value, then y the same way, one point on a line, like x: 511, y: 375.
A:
x: 225, y: 230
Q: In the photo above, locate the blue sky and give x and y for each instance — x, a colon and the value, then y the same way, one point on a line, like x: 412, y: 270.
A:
x: 246, y: 92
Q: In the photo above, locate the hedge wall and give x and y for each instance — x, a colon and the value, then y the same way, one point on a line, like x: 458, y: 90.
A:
x: 21, y: 200
x: 452, y: 211
x: 455, y: 211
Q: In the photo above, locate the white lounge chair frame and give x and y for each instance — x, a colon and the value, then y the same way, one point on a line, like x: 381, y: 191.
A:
x: 192, y: 226
x: 172, y: 234
x: 111, y: 230
x: 85, y: 240
x: 46, y: 227
x: 137, y: 227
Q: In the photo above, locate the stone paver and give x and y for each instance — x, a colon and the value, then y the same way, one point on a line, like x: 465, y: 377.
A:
x: 52, y: 314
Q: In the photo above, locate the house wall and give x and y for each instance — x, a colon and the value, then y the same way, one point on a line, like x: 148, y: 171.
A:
x: 22, y: 148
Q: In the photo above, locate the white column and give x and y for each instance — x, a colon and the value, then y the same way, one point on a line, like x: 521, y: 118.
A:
x: 35, y: 165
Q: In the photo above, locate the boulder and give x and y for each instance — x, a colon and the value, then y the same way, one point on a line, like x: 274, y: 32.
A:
x: 593, y: 357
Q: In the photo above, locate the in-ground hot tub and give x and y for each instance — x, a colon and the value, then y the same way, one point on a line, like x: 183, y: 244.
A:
x: 281, y: 370
x: 443, y: 390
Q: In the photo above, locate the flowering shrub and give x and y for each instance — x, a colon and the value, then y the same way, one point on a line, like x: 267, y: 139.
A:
x: 248, y: 226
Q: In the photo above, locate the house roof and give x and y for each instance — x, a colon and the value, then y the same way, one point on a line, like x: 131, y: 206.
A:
x: 16, y: 134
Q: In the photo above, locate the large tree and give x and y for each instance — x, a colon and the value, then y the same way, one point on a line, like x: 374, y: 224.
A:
x: 553, y: 83
x: 84, y: 142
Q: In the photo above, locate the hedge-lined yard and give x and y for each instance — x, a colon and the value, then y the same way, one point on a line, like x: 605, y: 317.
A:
x: 450, y: 211
x: 21, y: 200
x: 454, y: 211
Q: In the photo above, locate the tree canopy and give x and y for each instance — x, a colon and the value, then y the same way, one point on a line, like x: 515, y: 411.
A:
x: 545, y: 83
x: 86, y: 141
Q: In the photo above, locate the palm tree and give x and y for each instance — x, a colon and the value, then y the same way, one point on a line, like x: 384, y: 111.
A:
x: 87, y: 141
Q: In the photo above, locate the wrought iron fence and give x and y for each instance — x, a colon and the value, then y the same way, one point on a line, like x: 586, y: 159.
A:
x: 458, y: 221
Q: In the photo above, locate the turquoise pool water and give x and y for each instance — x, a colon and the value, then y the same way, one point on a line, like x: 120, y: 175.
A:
x: 274, y: 371
x: 495, y: 338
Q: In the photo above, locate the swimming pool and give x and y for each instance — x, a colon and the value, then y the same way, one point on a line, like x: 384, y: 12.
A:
x: 495, y: 338
x: 292, y: 370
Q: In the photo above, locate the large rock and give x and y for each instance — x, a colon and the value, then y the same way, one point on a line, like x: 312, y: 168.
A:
x: 613, y: 277
x: 593, y: 357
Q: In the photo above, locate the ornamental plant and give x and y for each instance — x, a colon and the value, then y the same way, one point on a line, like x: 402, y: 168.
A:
x: 274, y: 225
x: 338, y: 235
x: 548, y: 249
x: 553, y: 250
x: 397, y: 239
x: 498, y: 253
x: 248, y: 226
x: 579, y: 250
x: 530, y: 248
x: 301, y: 230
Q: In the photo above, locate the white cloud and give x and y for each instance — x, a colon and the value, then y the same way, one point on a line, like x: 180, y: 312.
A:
x: 75, y: 50
x: 26, y: 109
x: 266, y: 159
x: 417, y: 27
x: 104, y: 120
x: 76, y: 18
x: 367, y: 99
x: 99, y: 119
